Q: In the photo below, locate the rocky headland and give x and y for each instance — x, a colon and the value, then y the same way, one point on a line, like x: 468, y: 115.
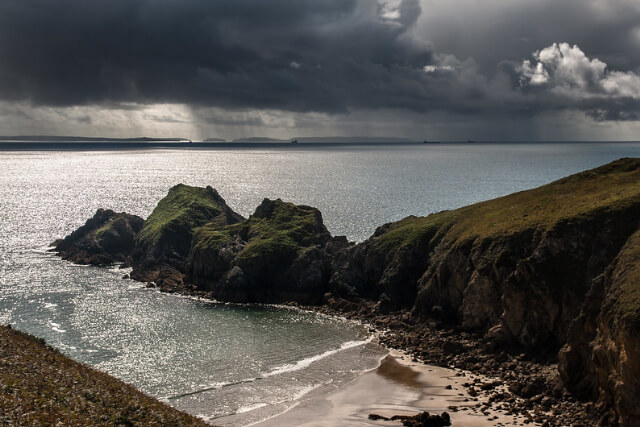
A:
x: 539, y: 288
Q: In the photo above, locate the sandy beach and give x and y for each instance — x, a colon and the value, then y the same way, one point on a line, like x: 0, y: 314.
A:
x: 398, y: 386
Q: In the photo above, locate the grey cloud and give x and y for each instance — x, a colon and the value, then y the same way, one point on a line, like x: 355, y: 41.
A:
x: 327, y: 56
x: 231, y: 53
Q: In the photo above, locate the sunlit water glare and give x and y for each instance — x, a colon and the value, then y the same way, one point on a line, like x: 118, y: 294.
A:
x: 212, y: 359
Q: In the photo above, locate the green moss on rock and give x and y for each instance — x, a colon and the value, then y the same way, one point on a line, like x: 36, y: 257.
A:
x: 169, y: 229
x: 276, y: 226
x: 273, y: 256
x: 108, y: 237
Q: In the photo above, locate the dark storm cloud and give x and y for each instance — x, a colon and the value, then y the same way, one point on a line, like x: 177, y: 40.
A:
x: 332, y: 56
x: 324, y: 55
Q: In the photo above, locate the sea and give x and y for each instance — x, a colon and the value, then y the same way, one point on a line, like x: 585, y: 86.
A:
x: 232, y: 364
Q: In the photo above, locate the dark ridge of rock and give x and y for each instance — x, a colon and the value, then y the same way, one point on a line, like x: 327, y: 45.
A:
x: 106, y: 238
x: 277, y: 255
x: 423, y: 419
x: 387, y: 266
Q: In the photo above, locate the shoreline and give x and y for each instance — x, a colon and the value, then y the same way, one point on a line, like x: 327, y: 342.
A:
x: 527, y: 388
x: 398, y: 386
x: 509, y: 383
x: 523, y: 288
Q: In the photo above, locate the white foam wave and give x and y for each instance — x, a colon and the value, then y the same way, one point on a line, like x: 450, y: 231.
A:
x: 56, y: 327
x: 250, y: 408
x: 291, y: 367
x: 304, y: 363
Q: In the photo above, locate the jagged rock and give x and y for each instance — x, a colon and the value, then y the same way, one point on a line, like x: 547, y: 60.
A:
x: 106, y: 238
x: 165, y: 239
x: 276, y: 255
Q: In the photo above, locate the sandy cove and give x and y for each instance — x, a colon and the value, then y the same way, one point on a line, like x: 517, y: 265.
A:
x: 399, y: 386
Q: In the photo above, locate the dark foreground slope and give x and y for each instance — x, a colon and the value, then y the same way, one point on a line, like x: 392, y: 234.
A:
x: 550, y: 272
x: 41, y: 387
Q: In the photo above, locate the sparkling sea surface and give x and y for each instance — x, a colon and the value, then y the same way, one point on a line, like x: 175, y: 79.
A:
x: 231, y: 364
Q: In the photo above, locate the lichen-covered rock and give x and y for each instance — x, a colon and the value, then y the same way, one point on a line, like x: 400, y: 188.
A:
x: 106, y: 238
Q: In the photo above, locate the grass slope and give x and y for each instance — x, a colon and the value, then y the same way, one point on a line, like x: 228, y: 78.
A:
x: 41, y: 387
x: 593, y: 192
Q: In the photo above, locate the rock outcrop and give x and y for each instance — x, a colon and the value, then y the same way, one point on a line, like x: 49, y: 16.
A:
x: 276, y: 255
x: 163, y: 245
x: 551, y: 269
x: 533, y: 271
x: 106, y: 238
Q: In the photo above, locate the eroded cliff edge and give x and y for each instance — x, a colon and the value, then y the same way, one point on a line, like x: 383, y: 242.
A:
x: 546, y: 271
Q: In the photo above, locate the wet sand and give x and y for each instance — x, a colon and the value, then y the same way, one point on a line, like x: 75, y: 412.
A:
x: 398, y: 387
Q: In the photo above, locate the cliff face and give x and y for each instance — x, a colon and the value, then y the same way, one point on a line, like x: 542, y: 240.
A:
x: 601, y: 356
x: 552, y: 268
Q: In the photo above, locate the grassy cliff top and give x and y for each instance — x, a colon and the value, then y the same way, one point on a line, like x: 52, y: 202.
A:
x: 40, y: 386
x: 182, y: 210
x: 275, y: 226
x: 610, y: 187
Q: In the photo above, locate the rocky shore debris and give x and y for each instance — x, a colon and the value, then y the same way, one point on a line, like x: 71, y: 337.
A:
x: 423, y: 419
x: 538, y: 288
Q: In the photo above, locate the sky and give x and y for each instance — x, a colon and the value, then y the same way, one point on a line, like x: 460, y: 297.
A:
x: 505, y: 70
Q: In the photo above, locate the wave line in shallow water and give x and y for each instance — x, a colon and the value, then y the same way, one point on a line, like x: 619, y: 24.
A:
x: 304, y: 363
x: 279, y: 370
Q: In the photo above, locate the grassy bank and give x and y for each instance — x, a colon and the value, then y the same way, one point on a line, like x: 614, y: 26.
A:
x: 39, y: 386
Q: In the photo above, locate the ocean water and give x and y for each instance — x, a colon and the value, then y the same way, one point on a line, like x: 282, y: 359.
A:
x: 231, y: 364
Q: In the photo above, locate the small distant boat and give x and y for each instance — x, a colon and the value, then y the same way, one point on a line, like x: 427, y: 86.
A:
x: 294, y: 141
x: 470, y: 141
x: 430, y: 142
